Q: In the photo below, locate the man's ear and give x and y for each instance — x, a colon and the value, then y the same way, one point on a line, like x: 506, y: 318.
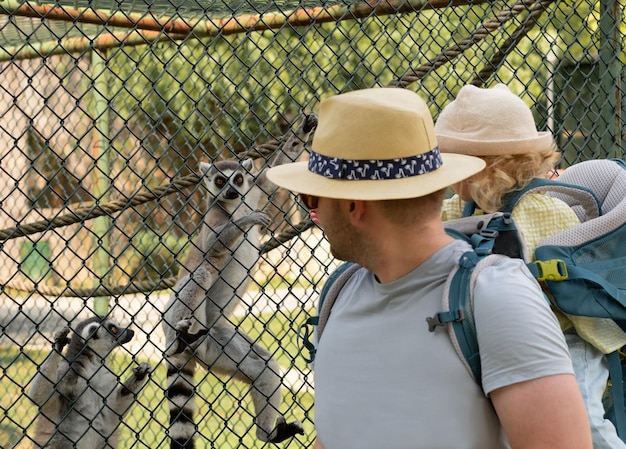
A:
x: 357, y: 210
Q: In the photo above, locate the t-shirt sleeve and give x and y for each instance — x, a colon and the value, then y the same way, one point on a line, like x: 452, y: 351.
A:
x: 518, y: 335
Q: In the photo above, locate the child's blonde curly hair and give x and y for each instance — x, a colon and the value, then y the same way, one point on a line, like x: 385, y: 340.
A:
x: 507, y: 173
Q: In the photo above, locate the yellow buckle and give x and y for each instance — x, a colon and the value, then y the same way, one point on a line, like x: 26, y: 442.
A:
x: 552, y: 270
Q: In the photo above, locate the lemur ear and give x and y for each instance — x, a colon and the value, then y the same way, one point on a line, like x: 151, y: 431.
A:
x: 248, y: 164
x: 204, y: 168
x: 90, y: 331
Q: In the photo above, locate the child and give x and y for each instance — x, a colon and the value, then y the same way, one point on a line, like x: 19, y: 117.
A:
x: 497, y: 126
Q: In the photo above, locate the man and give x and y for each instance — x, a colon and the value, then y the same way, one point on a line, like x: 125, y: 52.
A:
x: 376, y: 181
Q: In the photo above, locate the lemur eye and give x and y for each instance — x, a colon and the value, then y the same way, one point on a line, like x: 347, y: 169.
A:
x: 113, y: 329
x: 220, y: 181
x: 239, y: 180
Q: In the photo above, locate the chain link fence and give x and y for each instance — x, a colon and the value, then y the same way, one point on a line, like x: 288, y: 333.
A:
x: 108, y: 108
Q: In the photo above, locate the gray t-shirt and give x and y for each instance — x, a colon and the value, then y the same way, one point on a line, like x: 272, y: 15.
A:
x: 382, y: 380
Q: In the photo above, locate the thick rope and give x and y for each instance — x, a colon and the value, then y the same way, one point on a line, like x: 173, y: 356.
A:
x: 449, y: 54
x: 147, y: 194
x: 144, y: 195
x: 138, y: 287
x: 102, y: 290
x: 511, y: 42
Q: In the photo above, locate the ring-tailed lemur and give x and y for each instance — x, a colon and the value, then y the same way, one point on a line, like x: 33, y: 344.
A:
x: 81, y: 402
x: 211, y: 282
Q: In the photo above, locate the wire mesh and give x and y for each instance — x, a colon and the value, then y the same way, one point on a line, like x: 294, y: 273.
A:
x: 107, y: 110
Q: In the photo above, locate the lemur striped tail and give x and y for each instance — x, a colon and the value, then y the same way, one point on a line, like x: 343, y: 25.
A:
x: 180, y: 394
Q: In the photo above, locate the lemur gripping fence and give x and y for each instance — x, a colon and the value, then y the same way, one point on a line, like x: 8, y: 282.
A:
x: 107, y: 109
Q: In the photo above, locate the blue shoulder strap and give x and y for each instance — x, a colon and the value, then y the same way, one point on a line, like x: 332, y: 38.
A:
x: 459, y: 312
x: 469, y: 208
x: 307, y: 329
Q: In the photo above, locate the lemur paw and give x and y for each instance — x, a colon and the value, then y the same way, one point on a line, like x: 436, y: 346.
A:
x: 142, y: 370
x: 284, y: 430
x: 259, y: 218
x: 137, y: 380
x: 60, y: 339
x: 183, y: 326
x: 183, y: 338
x: 177, y: 346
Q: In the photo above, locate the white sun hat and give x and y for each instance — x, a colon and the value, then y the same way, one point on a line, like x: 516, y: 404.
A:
x: 489, y: 122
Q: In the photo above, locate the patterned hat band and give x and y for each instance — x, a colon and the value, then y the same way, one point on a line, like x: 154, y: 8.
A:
x: 374, y: 169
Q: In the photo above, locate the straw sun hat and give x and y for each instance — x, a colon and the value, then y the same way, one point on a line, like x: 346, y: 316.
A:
x: 489, y: 122
x: 374, y: 144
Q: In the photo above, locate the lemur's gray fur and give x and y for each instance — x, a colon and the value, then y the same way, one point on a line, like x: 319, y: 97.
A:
x: 81, y: 402
x: 211, y: 283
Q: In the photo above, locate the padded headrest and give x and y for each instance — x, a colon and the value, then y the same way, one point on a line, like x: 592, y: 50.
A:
x: 605, y: 177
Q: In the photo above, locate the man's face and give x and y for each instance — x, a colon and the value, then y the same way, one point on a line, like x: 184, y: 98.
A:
x: 332, y: 216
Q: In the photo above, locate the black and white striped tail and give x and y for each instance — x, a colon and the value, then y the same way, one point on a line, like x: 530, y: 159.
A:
x: 180, y: 394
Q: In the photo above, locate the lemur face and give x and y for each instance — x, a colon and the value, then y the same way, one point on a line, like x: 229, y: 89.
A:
x: 227, y: 180
x: 102, y: 335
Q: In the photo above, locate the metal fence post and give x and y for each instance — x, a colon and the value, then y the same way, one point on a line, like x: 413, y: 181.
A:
x: 610, y: 77
x: 101, y: 181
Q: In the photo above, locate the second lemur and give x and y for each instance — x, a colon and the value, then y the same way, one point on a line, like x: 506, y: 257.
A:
x: 81, y: 401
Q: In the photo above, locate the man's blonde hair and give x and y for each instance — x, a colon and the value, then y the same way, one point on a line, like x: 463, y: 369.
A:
x: 507, y: 173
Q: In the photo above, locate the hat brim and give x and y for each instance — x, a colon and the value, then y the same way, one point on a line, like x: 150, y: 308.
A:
x: 297, y: 178
x: 452, y: 144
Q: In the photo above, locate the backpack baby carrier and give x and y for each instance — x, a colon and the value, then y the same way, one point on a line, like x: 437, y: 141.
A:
x: 583, y: 268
